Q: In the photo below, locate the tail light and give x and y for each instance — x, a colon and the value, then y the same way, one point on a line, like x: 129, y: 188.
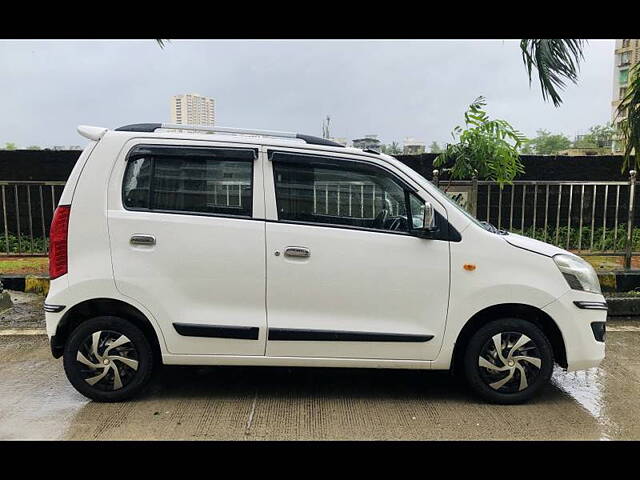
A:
x: 58, y: 242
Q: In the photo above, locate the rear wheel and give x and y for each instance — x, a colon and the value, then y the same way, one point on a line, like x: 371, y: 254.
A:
x: 508, y: 361
x: 108, y: 359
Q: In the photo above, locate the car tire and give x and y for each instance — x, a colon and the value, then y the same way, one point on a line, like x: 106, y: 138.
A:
x: 514, y: 372
x: 108, y: 359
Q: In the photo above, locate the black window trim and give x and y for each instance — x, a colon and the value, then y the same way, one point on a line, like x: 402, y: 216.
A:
x: 154, y: 150
x: 337, y: 162
x: 447, y: 232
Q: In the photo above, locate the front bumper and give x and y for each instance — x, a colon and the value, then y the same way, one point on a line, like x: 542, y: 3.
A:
x: 581, y: 318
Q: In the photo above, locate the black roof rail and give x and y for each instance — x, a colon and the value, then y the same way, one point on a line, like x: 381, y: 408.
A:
x: 152, y: 127
x: 318, y: 141
x: 140, y: 127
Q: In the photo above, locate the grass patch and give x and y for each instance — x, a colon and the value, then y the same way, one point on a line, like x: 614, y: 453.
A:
x: 24, y: 266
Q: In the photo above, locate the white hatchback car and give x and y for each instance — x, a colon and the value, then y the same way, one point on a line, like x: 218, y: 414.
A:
x: 238, y: 247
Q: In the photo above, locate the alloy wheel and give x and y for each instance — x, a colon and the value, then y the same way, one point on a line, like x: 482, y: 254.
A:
x: 509, y: 362
x: 107, y: 360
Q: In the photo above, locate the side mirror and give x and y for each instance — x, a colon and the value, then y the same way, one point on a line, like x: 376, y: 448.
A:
x: 429, y: 218
x: 428, y: 227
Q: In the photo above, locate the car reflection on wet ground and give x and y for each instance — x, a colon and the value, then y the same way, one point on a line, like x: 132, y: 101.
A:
x: 236, y: 403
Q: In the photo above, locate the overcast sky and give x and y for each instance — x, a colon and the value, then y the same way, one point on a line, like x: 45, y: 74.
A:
x: 390, y: 88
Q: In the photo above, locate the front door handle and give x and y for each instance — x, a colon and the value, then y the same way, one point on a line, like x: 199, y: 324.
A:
x: 297, y: 252
x: 142, y: 240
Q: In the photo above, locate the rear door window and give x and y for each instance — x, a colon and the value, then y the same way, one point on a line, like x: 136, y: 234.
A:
x: 190, y: 180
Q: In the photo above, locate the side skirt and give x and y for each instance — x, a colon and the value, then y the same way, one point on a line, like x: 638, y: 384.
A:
x: 171, y: 359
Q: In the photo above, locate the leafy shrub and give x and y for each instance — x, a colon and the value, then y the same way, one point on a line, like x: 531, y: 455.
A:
x: 39, y: 244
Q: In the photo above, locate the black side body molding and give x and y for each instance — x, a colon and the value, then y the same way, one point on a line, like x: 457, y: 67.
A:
x: 337, y: 336
x: 216, y: 331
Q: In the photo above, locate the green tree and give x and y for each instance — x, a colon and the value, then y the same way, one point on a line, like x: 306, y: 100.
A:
x: 546, y: 143
x: 393, y: 149
x: 486, y: 147
x: 435, y: 148
x: 10, y: 146
x: 599, y: 136
x: 629, y: 125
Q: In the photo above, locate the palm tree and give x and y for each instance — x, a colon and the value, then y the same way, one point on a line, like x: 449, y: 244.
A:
x: 559, y: 59
x: 555, y: 59
x: 629, y: 126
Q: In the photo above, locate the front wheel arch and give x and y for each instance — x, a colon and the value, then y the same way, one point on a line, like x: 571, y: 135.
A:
x: 513, y: 310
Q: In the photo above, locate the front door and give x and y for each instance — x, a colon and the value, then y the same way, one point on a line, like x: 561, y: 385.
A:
x: 186, y: 226
x: 346, y: 275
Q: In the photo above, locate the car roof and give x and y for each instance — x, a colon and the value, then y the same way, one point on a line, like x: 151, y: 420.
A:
x: 306, y: 142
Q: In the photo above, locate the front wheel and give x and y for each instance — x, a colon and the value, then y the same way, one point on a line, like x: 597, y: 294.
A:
x: 108, y: 359
x: 508, y: 361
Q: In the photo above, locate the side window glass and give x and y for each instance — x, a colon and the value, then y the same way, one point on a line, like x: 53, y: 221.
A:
x: 416, y: 207
x: 136, y: 182
x: 202, y: 185
x: 349, y: 195
x: 196, y: 184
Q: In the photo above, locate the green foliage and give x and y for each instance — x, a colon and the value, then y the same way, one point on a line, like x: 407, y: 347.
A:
x: 34, y: 147
x: 10, y: 146
x: 629, y: 112
x: 486, y: 147
x: 435, y: 148
x: 546, y: 143
x: 555, y: 59
x: 39, y: 245
x: 599, y: 136
x: 393, y: 149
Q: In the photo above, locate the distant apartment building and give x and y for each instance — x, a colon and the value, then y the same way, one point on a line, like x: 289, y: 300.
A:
x: 627, y: 55
x: 368, y: 142
x: 340, y: 140
x: 412, y: 146
x: 193, y: 109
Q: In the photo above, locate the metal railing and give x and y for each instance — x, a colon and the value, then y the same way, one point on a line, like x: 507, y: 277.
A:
x: 354, y: 199
x: 590, y: 218
x: 27, y: 210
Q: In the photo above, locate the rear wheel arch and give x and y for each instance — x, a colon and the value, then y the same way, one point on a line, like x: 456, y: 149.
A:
x: 512, y: 310
x: 98, y: 307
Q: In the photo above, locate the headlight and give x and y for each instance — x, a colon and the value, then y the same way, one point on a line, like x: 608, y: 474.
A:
x: 579, y: 274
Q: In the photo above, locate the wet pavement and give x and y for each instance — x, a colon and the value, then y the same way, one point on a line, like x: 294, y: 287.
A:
x: 27, y: 311
x: 242, y: 403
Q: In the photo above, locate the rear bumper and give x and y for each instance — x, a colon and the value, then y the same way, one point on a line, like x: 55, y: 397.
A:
x: 581, y: 319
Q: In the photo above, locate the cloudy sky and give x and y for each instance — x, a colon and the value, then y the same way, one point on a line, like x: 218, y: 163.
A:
x: 390, y: 88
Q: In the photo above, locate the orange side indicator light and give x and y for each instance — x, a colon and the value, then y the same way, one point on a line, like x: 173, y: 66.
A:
x: 469, y: 267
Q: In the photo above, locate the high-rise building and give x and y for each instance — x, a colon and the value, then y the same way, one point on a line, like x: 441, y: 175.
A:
x: 627, y: 55
x: 193, y: 109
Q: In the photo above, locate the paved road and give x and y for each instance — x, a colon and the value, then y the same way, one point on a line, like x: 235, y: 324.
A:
x: 234, y: 403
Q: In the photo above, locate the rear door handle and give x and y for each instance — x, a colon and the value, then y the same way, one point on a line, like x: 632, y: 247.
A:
x: 142, y: 240
x: 297, y: 252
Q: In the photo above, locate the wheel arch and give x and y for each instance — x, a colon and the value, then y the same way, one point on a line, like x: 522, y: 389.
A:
x: 96, y: 307
x: 513, y: 310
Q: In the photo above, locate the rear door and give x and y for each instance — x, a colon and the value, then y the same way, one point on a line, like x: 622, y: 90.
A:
x: 186, y: 227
